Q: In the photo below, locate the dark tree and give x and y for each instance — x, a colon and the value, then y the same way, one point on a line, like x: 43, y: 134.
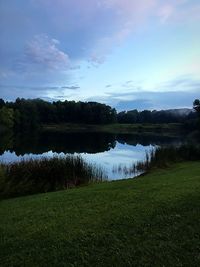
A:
x: 196, y: 105
x: 2, y: 103
x: 7, y: 117
x: 147, y: 116
x: 30, y: 114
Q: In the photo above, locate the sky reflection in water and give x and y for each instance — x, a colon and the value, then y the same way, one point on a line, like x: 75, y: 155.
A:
x: 122, y: 154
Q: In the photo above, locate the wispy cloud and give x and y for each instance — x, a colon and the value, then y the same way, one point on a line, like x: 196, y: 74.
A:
x: 46, y: 42
x: 175, y: 93
x: 43, y: 52
x: 90, y: 29
x: 183, y: 83
x: 44, y: 92
x: 181, y: 11
x: 71, y: 87
x: 153, y: 100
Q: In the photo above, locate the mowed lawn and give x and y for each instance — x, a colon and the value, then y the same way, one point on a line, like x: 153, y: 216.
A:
x: 152, y: 220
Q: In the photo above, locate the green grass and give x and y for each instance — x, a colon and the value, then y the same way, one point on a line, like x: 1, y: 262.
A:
x: 153, y: 220
x: 114, y: 128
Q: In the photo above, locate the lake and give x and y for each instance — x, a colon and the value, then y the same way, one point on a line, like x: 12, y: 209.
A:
x: 115, y: 153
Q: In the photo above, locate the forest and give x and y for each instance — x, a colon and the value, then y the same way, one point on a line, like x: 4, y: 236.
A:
x: 27, y: 114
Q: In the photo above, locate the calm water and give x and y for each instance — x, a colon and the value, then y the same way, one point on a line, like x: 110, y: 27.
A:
x: 114, y: 152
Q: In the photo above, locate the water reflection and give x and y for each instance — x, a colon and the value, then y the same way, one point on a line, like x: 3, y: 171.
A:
x: 39, y: 143
x: 106, y: 149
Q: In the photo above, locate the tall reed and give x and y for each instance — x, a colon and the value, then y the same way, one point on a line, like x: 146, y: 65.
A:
x: 162, y: 157
x: 47, y: 174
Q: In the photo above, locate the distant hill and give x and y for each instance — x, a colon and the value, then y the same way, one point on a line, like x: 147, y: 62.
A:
x: 131, y: 105
x: 180, y: 111
x: 177, y: 111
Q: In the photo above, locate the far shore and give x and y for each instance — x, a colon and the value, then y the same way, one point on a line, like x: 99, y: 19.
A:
x: 115, y: 128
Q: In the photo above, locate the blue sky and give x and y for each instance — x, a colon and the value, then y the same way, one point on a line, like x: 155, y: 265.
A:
x: 126, y: 53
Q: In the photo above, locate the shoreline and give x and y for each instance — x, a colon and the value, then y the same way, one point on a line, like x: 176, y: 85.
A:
x: 114, y: 128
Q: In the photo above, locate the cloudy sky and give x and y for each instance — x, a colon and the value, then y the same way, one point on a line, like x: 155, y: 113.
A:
x: 127, y: 53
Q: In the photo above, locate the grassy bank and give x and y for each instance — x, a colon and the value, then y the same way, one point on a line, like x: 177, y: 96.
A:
x: 114, y: 128
x: 152, y: 220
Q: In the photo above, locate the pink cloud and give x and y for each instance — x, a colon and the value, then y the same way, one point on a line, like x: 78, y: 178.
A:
x: 43, y: 51
x: 182, y: 11
x: 104, y: 24
x: 90, y: 29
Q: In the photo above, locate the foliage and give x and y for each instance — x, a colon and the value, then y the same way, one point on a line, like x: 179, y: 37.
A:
x: 44, y: 175
x: 7, y: 117
x: 2, y: 103
x: 148, y: 221
x: 196, y: 105
x: 30, y: 114
x: 147, y: 116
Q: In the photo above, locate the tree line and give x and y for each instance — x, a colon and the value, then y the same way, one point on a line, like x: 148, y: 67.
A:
x: 148, y: 116
x: 32, y: 113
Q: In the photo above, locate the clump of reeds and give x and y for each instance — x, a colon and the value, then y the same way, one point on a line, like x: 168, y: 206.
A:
x: 125, y: 170
x: 162, y: 157
x: 47, y: 174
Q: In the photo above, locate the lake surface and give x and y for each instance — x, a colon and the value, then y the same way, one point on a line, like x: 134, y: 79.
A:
x: 116, y: 153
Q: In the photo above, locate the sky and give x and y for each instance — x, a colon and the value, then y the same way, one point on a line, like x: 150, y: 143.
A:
x: 126, y: 53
